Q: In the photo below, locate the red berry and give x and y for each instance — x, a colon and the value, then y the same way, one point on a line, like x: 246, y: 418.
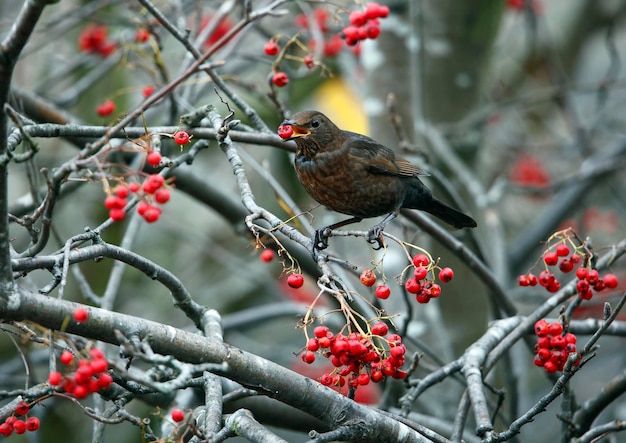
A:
x: 383, y: 11
x: 54, y: 378
x: 162, y: 196
x: 581, y: 273
x: 570, y: 338
x: 421, y: 260
x: 99, y: 365
x: 412, y: 286
x: 546, y: 278
x: 550, y: 367
x: 81, y: 315
x: 373, y: 31
x: 313, y: 344
x: 333, y: 46
x: 152, y: 214
x: 181, y: 138
x: 285, y: 131
x: 81, y: 391
x: 104, y: 380
x: 576, y: 259
x: 153, y: 158
x: 599, y: 286
x: 610, y: 280
x: 267, y: 255
x: 420, y: 273
x: 106, y: 108
x: 554, y: 286
x: 446, y: 274
x: 66, y: 357
x: 357, y: 18
x: 566, y: 265
x: 377, y: 376
x: 592, y: 276
x: 308, y: 357
x: 114, y: 202
x: 380, y: 329
x: 134, y: 187
x: 326, y: 380
x: 368, y: 278
x: 22, y: 408
x: 6, y: 429
x: 142, y: 207
x: 147, y: 91
x: 295, y: 280
x: 586, y: 295
x: 541, y: 328
x: 271, y: 48
x: 422, y: 297
x: 32, y: 424
x: 383, y: 292
x: 19, y: 426
x: 280, y: 79
x: 363, y: 379
x: 320, y: 331
x: 435, y: 290
x: 555, y: 329
x: 308, y: 61
x: 122, y: 191
x: 141, y: 35
x: 562, y: 250
x: 550, y: 258
x: 117, y: 215
x: 177, y: 415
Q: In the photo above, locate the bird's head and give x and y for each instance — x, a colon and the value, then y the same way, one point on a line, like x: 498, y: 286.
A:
x: 309, y: 126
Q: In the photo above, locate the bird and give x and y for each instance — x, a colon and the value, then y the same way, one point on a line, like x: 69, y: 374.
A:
x: 353, y: 174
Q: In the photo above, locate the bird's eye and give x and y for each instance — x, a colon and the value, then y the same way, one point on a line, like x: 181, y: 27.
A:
x: 315, y: 123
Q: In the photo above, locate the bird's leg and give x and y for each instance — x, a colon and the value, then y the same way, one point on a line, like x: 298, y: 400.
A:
x: 320, y: 241
x: 374, y: 233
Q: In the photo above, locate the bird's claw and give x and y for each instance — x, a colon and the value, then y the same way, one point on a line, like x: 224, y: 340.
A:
x: 320, y: 240
x: 374, y: 236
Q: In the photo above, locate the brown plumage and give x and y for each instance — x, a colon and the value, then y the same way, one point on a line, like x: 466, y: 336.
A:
x: 355, y: 175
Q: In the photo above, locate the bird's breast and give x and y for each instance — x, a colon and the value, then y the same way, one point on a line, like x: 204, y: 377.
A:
x: 344, y: 184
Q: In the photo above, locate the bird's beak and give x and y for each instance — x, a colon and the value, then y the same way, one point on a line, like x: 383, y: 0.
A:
x: 298, y: 131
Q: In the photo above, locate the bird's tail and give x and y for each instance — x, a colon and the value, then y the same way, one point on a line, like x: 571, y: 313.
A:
x: 449, y: 215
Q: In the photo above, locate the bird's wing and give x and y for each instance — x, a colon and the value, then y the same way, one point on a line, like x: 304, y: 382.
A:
x: 380, y: 159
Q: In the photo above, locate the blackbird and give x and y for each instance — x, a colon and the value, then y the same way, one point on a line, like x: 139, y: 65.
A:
x: 353, y: 174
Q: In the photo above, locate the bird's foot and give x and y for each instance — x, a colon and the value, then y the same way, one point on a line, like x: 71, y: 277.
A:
x: 375, y: 236
x: 320, y: 240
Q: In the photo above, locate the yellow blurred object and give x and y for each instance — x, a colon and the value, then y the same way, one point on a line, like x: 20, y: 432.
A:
x: 335, y: 99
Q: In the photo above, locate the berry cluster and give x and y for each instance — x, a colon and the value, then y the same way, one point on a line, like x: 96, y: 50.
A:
x: 90, y: 375
x: 589, y: 279
x: 357, y: 356
x: 364, y: 24
x: 552, y: 347
x: 93, y: 39
x: 14, y: 424
x: 422, y: 283
x: 153, y: 190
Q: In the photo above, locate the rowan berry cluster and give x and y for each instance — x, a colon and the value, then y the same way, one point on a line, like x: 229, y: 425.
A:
x: 90, y: 375
x: 93, y: 39
x: 553, y: 347
x: 153, y: 190
x: 364, y: 24
x: 18, y: 425
x: 589, y: 280
x: 422, y: 283
x: 358, y: 358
